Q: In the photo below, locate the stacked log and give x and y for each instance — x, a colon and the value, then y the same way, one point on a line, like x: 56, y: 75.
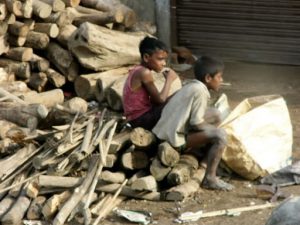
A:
x: 63, y: 158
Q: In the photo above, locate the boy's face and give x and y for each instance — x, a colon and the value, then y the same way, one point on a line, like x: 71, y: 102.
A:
x: 214, y: 83
x: 156, y: 61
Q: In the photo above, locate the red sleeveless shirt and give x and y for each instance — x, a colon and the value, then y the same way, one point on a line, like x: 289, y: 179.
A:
x: 135, y: 103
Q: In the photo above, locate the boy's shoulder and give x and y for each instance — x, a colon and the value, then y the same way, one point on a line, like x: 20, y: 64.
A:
x: 196, y: 86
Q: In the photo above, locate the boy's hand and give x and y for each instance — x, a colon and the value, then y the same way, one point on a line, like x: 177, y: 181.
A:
x: 170, y: 75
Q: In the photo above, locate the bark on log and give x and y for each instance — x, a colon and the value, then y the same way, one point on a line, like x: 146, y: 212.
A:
x: 99, y: 48
x: 147, y: 183
x: 14, y: 7
x: 182, y: 191
x: 3, y: 28
x: 4, y: 47
x: 132, y: 160
x: 37, y: 110
x: 167, y: 154
x: 59, y: 18
x: 55, y: 78
x: 18, y: 29
x: 51, y: 29
x: 88, y: 86
x: 41, y: 9
x: 16, y: 40
x: 107, y: 79
x: 35, y: 209
x: 10, y: 164
x: 47, y: 98
x: 16, y: 212
x: 65, y: 33
x: 6, y: 204
x: 20, y: 69
x: 30, y: 23
x: 37, y: 40
x: 20, y: 54
x: 38, y: 63
x: 63, y: 60
x: 158, y: 170
x: 113, y: 177
x: 183, y: 171
x: 114, y: 93
x: 115, y: 7
x: 81, y: 15
x: 119, y: 141
x: 38, y: 81
x: 57, y: 5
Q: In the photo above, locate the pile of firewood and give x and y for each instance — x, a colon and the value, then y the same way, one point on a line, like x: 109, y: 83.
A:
x: 80, y: 170
x: 65, y: 158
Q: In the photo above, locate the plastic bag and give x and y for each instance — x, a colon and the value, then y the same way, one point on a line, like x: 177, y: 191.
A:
x: 259, y: 137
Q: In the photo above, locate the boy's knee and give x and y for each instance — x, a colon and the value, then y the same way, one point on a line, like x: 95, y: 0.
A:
x: 212, y: 116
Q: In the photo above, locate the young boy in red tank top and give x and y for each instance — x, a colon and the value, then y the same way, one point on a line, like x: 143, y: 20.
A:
x: 142, y: 102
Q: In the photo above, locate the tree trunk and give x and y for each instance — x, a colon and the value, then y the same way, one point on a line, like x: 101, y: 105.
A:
x: 55, y: 78
x: 94, y: 51
x: 59, y: 18
x: 147, y: 183
x: 35, y: 209
x: 51, y: 29
x: 3, y: 11
x: 18, y: 29
x: 20, y: 54
x: 63, y: 60
x: 47, y: 98
x: 14, y: 7
x: 182, y: 191
x: 41, y: 9
x: 65, y: 33
x: 16, y: 40
x: 167, y: 154
x: 39, y: 64
x: 158, y: 170
x: 16, y: 212
x: 141, y: 138
x: 132, y: 160
x: 54, y: 203
x: 38, y: 81
x: 20, y: 69
x: 183, y: 171
x: 57, y: 5
x: 37, y: 40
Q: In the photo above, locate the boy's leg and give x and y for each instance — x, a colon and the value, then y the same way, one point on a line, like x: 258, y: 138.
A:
x: 217, y: 139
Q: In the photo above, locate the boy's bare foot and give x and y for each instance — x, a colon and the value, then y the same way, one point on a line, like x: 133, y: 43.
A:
x: 216, y: 184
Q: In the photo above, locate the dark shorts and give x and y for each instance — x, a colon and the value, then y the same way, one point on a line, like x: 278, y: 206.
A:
x: 149, y: 119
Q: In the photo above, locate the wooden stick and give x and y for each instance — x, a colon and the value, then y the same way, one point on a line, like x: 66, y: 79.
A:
x: 108, y: 207
x: 77, y: 196
x: 22, y: 182
x: 232, y: 211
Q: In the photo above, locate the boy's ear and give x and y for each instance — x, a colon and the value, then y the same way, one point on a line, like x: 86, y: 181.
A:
x: 146, y: 57
x: 207, y: 78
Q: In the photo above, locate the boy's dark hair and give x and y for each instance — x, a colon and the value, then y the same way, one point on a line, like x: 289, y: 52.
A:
x: 149, y: 45
x: 207, y: 65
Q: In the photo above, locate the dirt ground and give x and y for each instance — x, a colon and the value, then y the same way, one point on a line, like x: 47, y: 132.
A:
x: 246, y: 80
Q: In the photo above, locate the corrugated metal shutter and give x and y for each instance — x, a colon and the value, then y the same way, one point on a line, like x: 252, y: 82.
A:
x: 265, y: 31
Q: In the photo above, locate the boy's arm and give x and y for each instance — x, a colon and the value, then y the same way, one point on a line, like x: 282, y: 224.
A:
x: 156, y: 96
